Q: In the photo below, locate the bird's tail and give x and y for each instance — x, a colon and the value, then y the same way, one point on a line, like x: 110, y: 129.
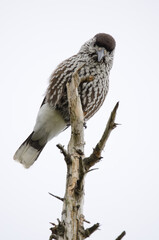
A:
x: 28, y: 152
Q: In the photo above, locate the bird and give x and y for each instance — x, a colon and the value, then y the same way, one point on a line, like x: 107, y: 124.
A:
x: 97, y: 56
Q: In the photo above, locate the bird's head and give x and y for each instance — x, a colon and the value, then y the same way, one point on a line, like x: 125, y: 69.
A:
x: 101, y: 47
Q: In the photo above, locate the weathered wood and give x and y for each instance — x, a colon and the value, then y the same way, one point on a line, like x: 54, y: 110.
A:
x: 73, y: 200
x: 121, y: 236
x: 71, y: 226
x: 96, y: 154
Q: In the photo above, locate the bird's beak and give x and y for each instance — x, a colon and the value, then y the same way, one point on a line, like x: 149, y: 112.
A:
x: 100, y: 53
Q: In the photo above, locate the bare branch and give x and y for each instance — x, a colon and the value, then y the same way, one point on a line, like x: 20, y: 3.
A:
x: 96, y: 155
x: 57, y: 230
x: 62, y: 199
x: 71, y: 225
x: 121, y: 236
x: 53, y: 236
x: 73, y: 199
x: 86, y: 221
x: 91, y: 230
x: 63, y: 151
x: 93, y: 169
x: 65, y: 154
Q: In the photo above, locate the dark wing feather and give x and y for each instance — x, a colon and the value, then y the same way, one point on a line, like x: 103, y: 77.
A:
x: 58, y: 80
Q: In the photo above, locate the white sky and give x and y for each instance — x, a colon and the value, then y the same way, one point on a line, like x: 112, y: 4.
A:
x: 123, y: 194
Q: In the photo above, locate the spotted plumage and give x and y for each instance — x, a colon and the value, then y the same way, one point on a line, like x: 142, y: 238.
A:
x: 96, y: 56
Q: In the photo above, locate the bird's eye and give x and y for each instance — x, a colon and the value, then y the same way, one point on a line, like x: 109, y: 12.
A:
x: 93, y: 44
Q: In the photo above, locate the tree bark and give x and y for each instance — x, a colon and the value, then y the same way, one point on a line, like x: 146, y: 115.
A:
x: 71, y: 226
x: 72, y: 214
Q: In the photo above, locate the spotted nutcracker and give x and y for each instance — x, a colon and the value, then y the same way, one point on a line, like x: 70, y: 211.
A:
x: 96, y: 55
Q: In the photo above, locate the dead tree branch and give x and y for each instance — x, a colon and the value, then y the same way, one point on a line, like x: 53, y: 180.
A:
x: 59, y: 198
x: 121, y: 236
x: 96, y: 154
x: 91, y: 230
x: 71, y: 226
x: 66, y: 155
x: 73, y: 200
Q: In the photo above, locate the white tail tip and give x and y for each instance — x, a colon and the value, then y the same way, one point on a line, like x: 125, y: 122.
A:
x: 26, y: 155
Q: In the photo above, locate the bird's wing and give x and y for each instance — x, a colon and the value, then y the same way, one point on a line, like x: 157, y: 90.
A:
x: 59, y: 78
x: 56, y: 87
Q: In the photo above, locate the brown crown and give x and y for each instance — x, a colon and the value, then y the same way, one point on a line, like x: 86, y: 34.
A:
x: 106, y: 41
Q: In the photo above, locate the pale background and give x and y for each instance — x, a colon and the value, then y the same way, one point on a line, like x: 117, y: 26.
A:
x: 123, y: 194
